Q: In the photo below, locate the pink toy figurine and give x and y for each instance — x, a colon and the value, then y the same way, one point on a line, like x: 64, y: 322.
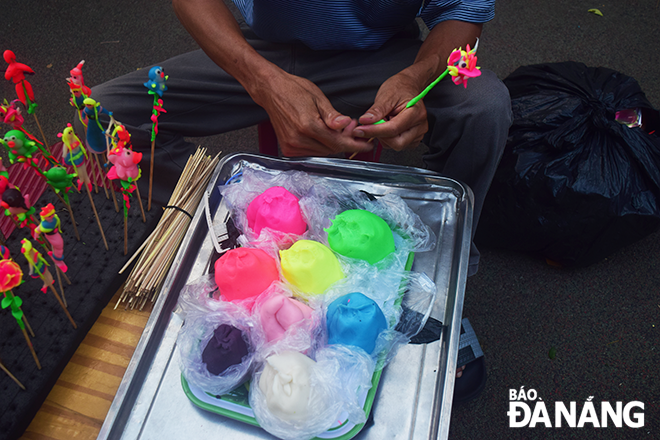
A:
x: 462, y: 65
x: 125, y: 163
x: 16, y: 73
x: 79, y: 91
x: 10, y: 113
x: 125, y: 169
x: 50, y: 228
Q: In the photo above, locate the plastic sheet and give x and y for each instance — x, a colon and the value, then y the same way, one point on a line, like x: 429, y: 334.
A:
x: 574, y: 184
x: 339, y: 375
x: 336, y: 381
x: 320, y: 201
x: 195, y: 335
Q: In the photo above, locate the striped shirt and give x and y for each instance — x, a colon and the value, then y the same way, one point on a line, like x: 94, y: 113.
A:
x: 352, y: 24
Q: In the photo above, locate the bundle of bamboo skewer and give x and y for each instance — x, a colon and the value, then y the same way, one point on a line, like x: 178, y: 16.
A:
x: 159, y: 249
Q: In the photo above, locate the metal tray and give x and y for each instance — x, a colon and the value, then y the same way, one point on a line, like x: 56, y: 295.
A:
x: 415, y: 394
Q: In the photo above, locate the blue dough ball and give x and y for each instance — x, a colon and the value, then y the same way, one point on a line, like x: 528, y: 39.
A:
x: 355, y: 320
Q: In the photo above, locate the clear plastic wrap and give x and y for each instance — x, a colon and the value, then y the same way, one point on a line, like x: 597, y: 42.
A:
x: 197, y: 331
x: 252, y: 184
x: 336, y: 383
x: 336, y: 377
x: 320, y: 201
x: 198, y: 296
x: 302, y: 336
x: 405, y: 298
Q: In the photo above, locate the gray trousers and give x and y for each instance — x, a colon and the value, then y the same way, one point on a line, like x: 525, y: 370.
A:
x: 467, y: 126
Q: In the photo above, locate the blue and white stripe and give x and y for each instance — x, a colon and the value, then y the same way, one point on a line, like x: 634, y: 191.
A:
x: 352, y: 24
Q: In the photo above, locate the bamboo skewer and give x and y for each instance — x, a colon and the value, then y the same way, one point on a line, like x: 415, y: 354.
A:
x: 137, y: 190
x: 40, y: 129
x: 96, y: 214
x: 59, y: 282
x: 29, y: 343
x: 156, y: 254
x: 99, y: 170
x: 151, y: 172
x: 66, y: 278
x: 27, y: 324
x: 59, y: 300
x: 3, y: 368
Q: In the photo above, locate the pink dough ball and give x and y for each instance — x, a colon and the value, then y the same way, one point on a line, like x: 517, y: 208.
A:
x: 280, y: 312
x: 276, y: 209
x: 242, y: 274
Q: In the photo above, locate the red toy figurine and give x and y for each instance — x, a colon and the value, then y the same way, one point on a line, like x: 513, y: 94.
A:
x: 16, y: 73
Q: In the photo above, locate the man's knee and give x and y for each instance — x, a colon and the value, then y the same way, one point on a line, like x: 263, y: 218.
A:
x: 491, y: 99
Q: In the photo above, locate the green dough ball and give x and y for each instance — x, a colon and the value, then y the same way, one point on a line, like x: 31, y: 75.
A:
x: 360, y: 234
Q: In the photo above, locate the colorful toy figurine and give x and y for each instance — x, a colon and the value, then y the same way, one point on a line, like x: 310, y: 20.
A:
x: 61, y: 182
x: 79, y: 91
x: 11, y: 277
x: 95, y: 139
x: 21, y: 148
x: 126, y: 169
x: 10, y: 113
x: 461, y: 65
x: 16, y: 73
x: 39, y: 269
x: 18, y: 207
x: 156, y: 82
x: 50, y: 228
x: 125, y: 164
x: 74, y: 155
x: 156, y: 86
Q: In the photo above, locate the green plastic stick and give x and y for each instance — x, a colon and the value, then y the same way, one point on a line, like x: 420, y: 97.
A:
x: 421, y: 96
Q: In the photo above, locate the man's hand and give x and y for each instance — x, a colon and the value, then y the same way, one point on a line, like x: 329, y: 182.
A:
x: 404, y: 127
x: 305, y: 122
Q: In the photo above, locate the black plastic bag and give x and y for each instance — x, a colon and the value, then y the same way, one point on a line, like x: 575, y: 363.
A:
x: 574, y: 184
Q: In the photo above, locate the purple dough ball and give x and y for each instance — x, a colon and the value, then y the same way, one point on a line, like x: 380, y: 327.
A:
x: 226, y: 348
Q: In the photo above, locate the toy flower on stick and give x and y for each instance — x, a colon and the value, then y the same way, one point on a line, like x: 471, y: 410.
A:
x: 156, y: 86
x: 39, y: 269
x: 461, y: 65
x: 16, y: 73
x: 11, y: 277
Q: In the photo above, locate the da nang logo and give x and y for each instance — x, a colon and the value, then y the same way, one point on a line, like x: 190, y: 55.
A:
x: 528, y: 410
